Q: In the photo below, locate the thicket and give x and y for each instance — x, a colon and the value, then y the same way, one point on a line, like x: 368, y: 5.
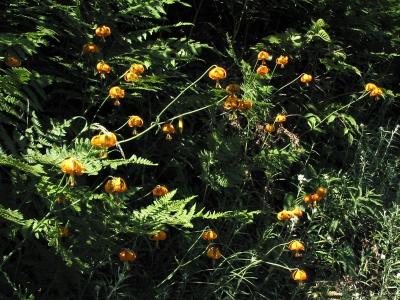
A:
x: 159, y: 150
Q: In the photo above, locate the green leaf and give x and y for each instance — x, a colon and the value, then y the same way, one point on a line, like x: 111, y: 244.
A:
x: 13, y: 216
x: 12, y: 162
x: 312, y: 120
x: 324, y: 35
x: 114, y: 164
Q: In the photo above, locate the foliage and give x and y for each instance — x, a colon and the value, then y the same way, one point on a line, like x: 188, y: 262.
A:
x: 62, y: 230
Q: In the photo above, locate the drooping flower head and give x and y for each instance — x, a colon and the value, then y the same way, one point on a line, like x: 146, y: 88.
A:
x: 71, y: 166
x: 263, y: 56
x: 103, y: 31
x: 285, y: 215
x: 103, y: 68
x: 296, y: 245
x: 233, y: 89
x: 214, y: 253
x: 104, y: 140
x: 282, y: 61
x: 115, y: 185
x: 370, y: 86
x: 90, y: 48
x: 160, y: 190
x: 209, y: 235
x: 116, y: 93
x: 158, y: 236
x: 269, y: 128
x: 137, y: 68
x: 262, y: 70
x: 169, y: 130
x: 306, y: 78
x: 217, y: 74
x: 127, y: 255
x: 280, y: 118
x: 299, y: 275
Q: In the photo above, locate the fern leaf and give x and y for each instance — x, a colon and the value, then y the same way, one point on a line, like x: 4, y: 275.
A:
x: 13, y: 216
x: 10, y: 161
x: 115, y: 163
x: 240, y: 215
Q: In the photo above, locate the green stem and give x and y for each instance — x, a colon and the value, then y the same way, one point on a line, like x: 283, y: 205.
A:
x: 155, y: 124
x: 101, y: 105
x: 194, y: 111
x: 339, y: 109
x: 105, y: 100
x: 286, y: 85
x: 121, y: 127
x: 181, y: 93
x: 181, y: 264
x: 280, y: 266
x: 276, y: 246
x: 272, y: 73
x: 157, y: 121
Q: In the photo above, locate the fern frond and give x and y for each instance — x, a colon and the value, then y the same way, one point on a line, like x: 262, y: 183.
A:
x: 13, y: 216
x: 239, y: 215
x: 9, y: 161
x: 115, y: 163
x: 163, y: 212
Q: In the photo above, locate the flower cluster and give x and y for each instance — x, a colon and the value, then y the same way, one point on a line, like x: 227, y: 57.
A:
x: 212, y: 252
x: 286, y: 215
x: 133, y: 74
x: 264, y: 56
x: 296, y: 246
x: 233, y: 102
x: 314, y: 198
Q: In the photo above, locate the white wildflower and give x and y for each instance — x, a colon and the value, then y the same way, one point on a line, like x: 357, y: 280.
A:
x: 302, y: 179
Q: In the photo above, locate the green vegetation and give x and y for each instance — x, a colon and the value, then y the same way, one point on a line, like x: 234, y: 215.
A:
x: 170, y: 149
